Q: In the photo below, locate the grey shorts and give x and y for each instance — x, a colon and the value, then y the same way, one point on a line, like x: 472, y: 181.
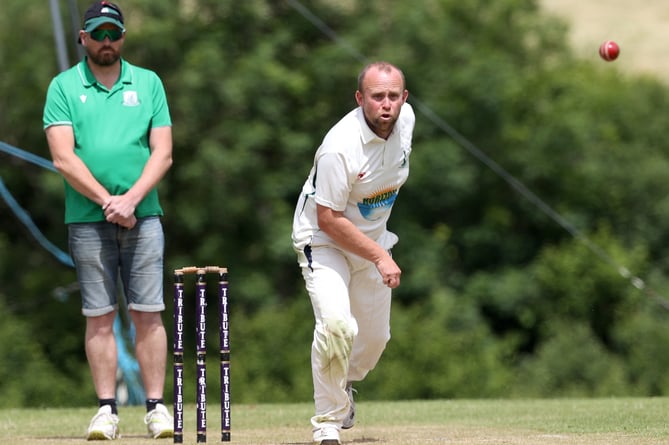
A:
x: 104, y: 252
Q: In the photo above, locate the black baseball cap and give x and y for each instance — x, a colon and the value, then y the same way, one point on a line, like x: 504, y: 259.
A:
x: 102, y: 12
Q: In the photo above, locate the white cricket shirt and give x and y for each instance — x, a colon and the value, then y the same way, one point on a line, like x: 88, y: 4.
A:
x: 358, y: 173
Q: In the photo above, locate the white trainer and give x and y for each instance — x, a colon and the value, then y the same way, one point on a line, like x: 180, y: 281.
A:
x: 104, y: 425
x: 159, y: 422
x: 327, y: 435
x: 349, y: 421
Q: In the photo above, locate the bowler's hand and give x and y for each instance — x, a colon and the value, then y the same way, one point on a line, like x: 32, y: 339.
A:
x: 390, y: 271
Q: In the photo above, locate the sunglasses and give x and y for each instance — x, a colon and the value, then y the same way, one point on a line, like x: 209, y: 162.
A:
x: 99, y: 35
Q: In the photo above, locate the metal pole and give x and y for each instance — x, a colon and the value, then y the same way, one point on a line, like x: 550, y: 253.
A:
x: 75, y: 18
x: 59, y: 36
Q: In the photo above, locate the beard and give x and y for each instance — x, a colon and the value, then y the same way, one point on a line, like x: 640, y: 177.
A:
x: 105, y: 56
x: 381, y: 126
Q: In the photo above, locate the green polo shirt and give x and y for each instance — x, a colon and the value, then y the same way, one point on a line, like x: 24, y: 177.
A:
x: 111, y: 131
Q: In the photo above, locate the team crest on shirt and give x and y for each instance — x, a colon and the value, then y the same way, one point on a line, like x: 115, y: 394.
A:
x: 405, y: 160
x: 375, y: 206
x: 130, y: 99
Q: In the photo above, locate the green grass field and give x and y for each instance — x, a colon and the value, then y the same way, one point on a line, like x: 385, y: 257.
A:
x: 518, y: 422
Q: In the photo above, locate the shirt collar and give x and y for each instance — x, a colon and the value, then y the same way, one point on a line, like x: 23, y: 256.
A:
x: 88, y: 79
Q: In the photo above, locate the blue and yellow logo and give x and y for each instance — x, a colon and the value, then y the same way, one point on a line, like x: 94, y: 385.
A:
x: 374, y: 207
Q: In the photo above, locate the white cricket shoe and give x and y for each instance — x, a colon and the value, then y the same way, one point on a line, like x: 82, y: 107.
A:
x: 327, y: 435
x: 349, y: 421
x: 159, y: 422
x: 104, y: 425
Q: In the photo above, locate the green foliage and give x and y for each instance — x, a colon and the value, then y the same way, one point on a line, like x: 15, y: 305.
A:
x: 271, y: 355
x: 571, y: 362
x: 641, y: 339
x: 498, y: 297
x: 440, y: 349
x: 27, y: 376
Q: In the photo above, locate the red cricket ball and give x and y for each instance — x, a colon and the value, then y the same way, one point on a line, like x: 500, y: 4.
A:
x: 609, y: 50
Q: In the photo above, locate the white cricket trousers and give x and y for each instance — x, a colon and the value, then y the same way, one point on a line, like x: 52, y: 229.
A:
x: 352, y: 314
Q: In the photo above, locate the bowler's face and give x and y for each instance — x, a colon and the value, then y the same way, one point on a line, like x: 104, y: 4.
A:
x: 381, y: 99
